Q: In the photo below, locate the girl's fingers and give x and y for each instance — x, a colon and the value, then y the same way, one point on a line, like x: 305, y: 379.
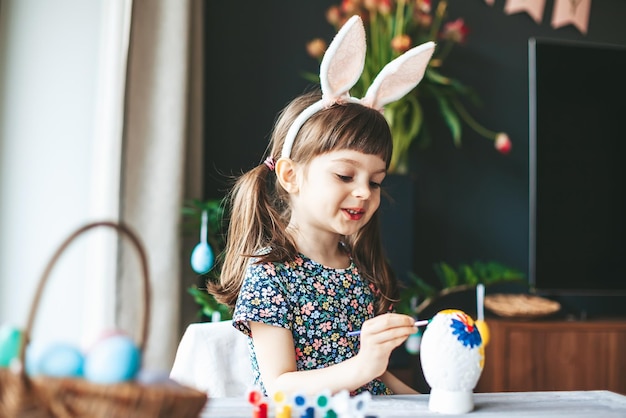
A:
x: 399, y: 334
x: 387, y: 322
x: 388, y: 328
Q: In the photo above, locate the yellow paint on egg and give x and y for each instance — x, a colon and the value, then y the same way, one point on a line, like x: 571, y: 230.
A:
x: 483, y: 329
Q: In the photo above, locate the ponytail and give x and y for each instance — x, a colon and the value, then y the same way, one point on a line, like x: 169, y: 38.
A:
x: 257, y: 220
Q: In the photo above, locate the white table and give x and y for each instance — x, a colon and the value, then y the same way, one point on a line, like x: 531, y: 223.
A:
x: 577, y: 404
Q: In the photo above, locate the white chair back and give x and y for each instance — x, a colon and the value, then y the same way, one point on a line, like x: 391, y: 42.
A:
x: 213, y: 357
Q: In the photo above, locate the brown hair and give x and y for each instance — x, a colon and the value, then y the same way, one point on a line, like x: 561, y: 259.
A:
x: 259, y: 210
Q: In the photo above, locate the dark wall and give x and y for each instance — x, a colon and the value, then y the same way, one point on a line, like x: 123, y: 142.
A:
x: 472, y: 203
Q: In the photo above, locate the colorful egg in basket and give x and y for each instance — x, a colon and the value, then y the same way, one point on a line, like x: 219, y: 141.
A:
x: 114, y: 359
x: 10, y: 338
x: 452, y: 356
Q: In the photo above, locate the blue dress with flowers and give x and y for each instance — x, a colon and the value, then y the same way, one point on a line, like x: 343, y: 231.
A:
x: 318, y: 304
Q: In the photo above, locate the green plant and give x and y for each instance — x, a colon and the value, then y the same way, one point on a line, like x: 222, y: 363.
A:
x: 192, y: 215
x: 393, y: 27
x: 451, y: 279
x: 207, y: 303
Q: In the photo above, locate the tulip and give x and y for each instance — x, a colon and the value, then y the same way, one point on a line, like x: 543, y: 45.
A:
x: 348, y: 6
x: 371, y: 4
x: 316, y: 48
x: 384, y: 7
x: 333, y: 15
x: 425, y: 20
x: 455, y: 31
x: 503, y: 143
x: 424, y: 6
x: 401, y: 43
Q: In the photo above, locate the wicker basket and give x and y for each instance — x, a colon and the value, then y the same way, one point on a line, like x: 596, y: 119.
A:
x: 22, y: 396
x: 521, y: 306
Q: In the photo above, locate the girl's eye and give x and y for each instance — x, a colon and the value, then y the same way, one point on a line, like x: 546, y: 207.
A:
x: 348, y: 179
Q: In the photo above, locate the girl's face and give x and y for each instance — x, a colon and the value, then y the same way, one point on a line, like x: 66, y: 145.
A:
x: 338, y: 192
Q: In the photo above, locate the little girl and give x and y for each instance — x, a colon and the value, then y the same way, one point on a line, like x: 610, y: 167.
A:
x: 303, y: 263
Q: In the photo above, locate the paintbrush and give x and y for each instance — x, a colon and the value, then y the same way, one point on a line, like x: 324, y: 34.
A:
x: 417, y: 324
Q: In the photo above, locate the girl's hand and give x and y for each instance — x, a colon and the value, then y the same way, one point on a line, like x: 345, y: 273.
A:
x: 379, y: 336
x: 275, y: 355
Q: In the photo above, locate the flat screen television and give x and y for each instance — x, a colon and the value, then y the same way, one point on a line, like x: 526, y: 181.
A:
x: 577, y: 166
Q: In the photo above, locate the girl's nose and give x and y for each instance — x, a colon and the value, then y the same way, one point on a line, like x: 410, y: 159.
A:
x: 362, y: 191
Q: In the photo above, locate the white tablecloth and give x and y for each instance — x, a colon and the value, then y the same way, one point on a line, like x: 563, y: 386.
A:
x: 578, y: 404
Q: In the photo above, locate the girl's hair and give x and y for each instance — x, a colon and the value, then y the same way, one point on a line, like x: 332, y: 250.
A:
x: 259, y: 206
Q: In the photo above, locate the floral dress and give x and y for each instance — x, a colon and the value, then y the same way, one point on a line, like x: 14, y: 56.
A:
x: 318, y: 304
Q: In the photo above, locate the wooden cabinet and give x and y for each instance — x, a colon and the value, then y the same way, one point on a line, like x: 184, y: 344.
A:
x: 555, y: 355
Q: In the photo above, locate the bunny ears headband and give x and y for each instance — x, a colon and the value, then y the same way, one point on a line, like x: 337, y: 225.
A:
x: 342, y: 66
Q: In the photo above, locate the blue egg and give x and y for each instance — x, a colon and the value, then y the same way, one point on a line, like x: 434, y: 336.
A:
x: 202, y: 258
x: 34, y: 351
x: 10, y: 338
x: 412, y: 344
x: 113, y: 360
x: 60, y: 360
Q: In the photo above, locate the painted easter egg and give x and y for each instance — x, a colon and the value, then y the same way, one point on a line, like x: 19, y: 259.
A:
x: 60, y: 360
x: 452, y: 357
x: 112, y: 360
x: 202, y: 258
x: 10, y: 338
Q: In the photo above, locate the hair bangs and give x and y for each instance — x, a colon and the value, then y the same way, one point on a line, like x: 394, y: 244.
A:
x: 347, y: 126
x: 369, y: 133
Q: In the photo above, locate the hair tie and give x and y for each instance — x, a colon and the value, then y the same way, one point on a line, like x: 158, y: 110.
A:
x: 270, y: 163
x: 341, y: 68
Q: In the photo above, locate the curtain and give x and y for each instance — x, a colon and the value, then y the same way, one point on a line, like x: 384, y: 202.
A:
x: 161, y: 124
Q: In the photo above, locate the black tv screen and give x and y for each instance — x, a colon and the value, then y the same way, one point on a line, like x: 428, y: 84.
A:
x: 577, y: 167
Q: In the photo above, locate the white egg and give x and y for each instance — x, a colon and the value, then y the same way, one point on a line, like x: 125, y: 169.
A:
x: 452, y: 357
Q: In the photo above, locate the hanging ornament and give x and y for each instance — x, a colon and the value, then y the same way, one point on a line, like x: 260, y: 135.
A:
x: 534, y: 8
x: 413, y: 343
x: 575, y: 12
x: 202, y: 257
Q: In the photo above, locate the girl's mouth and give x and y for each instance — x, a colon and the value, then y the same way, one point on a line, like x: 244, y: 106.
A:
x: 354, y: 214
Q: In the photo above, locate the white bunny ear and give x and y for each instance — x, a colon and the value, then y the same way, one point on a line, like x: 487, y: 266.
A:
x: 344, y: 60
x: 399, y: 77
x: 340, y: 69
